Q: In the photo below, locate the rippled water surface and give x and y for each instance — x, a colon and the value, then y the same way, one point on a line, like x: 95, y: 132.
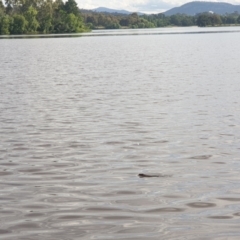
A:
x: 80, y: 118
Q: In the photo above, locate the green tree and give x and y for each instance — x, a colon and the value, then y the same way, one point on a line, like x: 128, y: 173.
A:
x: 58, y: 5
x: 58, y: 21
x: 71, y: 7
x: 124, y: 21
x: 5, y: 25
x: 231, y: 19
x: 30, y: 16
x: 203, y: 20
x: 158, y: 20
x: 112, y: 25
x: 45, y: 16
x: 10, y: 2
x: 92, y: 19
x: 73, y: 24
x: 133, y: 20
x: 238, y: 19
x: 2, y: 8
x: 19, y: 25
x: 12, y: 6
x: 176, y: 20
x: 216, y: 19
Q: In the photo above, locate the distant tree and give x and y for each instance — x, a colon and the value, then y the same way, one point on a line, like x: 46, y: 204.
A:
x: 188, y: 21
x: 161, y: 23
x: 124, y: 22
x: 238, y: 19
x: 158, y: 20
x: 101, y: 20
x: 92, y: 19
x: 230, y: 19
x: 176, y: 20
x: 215, y: 19
x: 208, y: 19
x: 133, y: 20
x: 203, y: 20
x: 113, y: 25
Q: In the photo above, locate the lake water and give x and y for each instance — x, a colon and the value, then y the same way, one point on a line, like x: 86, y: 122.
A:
x: 81, y: 117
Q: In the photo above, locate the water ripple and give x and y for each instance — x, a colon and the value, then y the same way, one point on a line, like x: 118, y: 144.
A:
x: 81, y: 118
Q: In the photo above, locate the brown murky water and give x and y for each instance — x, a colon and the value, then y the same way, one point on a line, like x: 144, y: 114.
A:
x: 80, y: 118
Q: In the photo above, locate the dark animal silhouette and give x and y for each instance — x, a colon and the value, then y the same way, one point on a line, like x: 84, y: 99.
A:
x: 142, y: 175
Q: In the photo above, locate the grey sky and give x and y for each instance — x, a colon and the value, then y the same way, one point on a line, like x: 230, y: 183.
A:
x: 139, y: 5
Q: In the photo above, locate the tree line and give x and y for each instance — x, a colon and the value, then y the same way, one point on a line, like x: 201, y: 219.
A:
x: 40, y: 16
x: 96, y: 20
x: 56, y: 16
x: 210, y: 19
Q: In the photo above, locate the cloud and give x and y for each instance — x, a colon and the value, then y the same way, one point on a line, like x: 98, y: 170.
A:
x: 131, y: 5
x: 154, y: 6
x: 139, y: 5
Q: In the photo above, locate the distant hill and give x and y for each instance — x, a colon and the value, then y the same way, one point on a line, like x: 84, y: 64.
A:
x: 113, y: 11
x: 109, y: 10
x: 193, y: 8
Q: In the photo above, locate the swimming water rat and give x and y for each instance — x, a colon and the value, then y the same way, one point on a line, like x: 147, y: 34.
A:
x: 142, y: 175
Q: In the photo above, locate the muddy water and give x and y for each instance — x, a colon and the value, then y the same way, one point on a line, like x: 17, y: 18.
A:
x: 81, y: 118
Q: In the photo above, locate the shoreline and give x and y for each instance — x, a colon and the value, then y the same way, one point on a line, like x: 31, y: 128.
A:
x: 172, y: 30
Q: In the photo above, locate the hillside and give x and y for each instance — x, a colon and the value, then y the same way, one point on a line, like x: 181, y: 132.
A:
x: 109, y: 10
x: 113, y: 11
x: 194, y: 8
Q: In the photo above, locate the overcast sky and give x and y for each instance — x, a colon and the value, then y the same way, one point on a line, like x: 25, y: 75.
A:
x: 148, y: 6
